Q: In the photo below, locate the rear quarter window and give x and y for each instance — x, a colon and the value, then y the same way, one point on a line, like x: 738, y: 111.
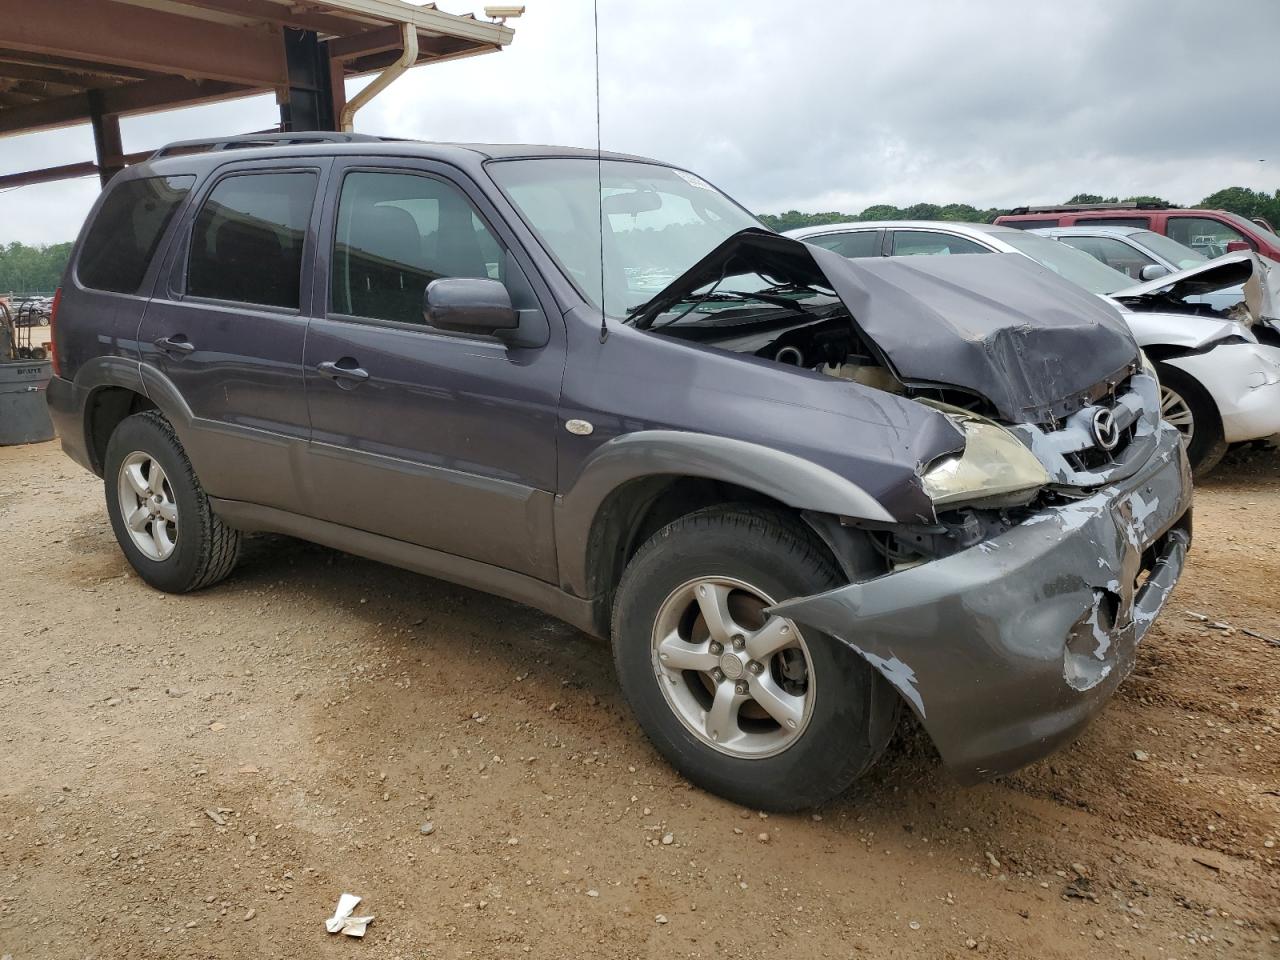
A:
x: 1144, y: 222
x: 124, y: 236
x: 1028, y: 224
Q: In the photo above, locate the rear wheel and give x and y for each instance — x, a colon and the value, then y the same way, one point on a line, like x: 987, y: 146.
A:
x: 745, y: 704
x: 1185, y: 404
x: 159, y: 511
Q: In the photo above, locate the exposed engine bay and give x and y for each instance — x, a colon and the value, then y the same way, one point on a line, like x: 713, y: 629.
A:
x: 825, y: 341
x: 1001, y: 335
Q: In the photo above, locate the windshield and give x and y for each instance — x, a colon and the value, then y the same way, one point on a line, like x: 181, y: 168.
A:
x: 1183, y: 258
x: 1068, y: 262
x: 658, y: 222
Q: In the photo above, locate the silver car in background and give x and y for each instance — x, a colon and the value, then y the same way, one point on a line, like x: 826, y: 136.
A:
x: 1140, y: 255
x: 1219, y: 385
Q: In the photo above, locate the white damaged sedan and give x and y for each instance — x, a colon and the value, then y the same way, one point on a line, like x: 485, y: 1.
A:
x: 1220, y: 385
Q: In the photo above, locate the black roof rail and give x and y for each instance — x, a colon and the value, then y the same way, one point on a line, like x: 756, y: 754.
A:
x: 1077, y: 207
x: 262, y: 140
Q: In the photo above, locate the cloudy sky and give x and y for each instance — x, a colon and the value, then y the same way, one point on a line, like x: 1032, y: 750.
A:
x: 824, y: 106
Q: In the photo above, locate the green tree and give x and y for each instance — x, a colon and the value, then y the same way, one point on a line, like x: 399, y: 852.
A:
x: 1246, y: 202
x: 25, y: 269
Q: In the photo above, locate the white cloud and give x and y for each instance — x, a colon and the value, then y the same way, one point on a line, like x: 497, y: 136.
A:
x: 826, y: 106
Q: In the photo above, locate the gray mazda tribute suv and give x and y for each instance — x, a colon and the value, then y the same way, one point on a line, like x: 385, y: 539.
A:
x: 796, y: 491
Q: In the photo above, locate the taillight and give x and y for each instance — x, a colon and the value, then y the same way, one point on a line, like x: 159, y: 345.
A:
x: 53, y: 333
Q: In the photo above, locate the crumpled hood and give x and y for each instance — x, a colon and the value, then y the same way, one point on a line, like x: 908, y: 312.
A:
x: 998, y: 325
x: 1260, y: 277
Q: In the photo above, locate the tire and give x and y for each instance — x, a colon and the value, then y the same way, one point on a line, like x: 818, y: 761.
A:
x: 1181, y: 391
x: 849, y: 710
x: 202, y: 549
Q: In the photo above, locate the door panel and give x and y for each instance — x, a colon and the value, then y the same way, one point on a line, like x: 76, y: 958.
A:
x: 229, y: 332
x: 440, y: 440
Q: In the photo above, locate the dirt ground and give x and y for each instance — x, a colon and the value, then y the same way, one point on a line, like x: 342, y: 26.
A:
x: 203, y: 776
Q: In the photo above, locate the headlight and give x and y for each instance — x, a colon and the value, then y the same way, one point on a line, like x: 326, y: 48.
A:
x: 994, y: 464
x: 1149, y: 368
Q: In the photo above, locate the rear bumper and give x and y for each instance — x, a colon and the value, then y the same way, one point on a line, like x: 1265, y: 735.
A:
x: 1007, y: 649
x: 1244, y: 381
x: 66, y: 408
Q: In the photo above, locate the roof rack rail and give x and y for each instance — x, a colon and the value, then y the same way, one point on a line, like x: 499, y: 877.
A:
x: 261, y: 140
x: 1076, y: 207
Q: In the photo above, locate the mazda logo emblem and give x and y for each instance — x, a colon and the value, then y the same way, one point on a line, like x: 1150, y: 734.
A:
x: 1105, y: 432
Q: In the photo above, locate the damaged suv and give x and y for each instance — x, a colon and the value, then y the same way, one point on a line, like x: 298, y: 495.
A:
x: 796, y: 491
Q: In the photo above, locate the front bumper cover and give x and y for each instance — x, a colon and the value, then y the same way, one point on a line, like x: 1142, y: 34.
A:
x: 1007, y: 649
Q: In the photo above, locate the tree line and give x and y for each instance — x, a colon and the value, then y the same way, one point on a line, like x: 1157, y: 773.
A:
x: 38, y: 269
x: 1241, y: 200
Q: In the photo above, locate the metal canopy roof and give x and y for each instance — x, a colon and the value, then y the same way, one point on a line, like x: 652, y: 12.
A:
x: 93, y: 61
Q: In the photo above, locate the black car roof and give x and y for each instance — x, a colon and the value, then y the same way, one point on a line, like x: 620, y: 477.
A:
x: 192, y: 157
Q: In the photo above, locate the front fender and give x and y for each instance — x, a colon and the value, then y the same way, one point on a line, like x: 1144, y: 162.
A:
x: 785, y: 477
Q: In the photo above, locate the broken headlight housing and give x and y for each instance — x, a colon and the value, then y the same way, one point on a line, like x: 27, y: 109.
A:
x: 993, y: 467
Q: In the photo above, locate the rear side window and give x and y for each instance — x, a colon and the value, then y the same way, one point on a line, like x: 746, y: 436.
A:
x: 1143, y: 222
x: 1029, y: 224
x: 916, y: 243
x: 128, y: 228
x: 862, y: 243
x: 246, y: 245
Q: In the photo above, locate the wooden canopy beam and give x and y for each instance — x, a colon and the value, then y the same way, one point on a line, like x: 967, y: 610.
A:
x: 119, y: 33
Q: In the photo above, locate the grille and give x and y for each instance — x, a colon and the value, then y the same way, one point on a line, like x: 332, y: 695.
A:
x: 1071, y: 451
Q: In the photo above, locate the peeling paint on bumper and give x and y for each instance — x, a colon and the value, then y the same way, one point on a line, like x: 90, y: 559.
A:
x: 1007, y: 649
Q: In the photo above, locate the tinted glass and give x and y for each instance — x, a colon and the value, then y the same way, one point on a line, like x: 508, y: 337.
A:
x: 127, y: 231
x: 1181, y: 257
x: 915, y: 243
x: 1113, y: 221
x: 1029, y: 224
x: 1116, y: 254
x: 862, y: 243
x: 247, y: 241
x: 396, y: 233
x: 1204, y: 236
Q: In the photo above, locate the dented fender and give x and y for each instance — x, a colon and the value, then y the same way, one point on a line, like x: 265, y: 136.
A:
x: 1007, y: 649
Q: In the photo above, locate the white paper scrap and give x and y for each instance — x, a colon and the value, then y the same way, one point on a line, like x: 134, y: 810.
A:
x: 346, y: 903
x: 355, y: 926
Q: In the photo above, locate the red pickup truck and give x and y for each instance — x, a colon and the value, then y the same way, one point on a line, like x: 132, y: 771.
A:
x: 1210, y: 232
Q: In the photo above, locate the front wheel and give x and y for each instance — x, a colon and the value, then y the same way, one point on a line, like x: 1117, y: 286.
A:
x: 159, y: 511
x: 745, y: 704
x: 1187, y: 405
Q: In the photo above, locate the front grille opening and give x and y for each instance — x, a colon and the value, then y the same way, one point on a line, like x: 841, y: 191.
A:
x: 1092, y: 459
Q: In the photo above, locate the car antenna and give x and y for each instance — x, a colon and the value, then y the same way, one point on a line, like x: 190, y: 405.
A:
x: 595, y: 23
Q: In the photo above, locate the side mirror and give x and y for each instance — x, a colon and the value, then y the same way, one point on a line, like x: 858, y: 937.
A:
x: 469, y: 305
x: 1153, y: 271
x: 1235, y: 246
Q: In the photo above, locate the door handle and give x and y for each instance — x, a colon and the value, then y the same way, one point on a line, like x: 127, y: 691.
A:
x: 175, y: 344
x: 344, y: 369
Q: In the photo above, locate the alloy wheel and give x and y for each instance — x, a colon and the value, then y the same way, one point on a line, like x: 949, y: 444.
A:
x: 148, y: 507
x: 739, y: 680
x: 1176, y: 411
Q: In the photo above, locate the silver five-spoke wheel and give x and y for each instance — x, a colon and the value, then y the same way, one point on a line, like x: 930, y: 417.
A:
x: 738, y: 679
x: 147, y: 505
x: 1176, y: 411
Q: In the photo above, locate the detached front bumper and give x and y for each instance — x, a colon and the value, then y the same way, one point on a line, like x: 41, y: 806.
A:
x: 1244, y: 381
x: 1007, y: 649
